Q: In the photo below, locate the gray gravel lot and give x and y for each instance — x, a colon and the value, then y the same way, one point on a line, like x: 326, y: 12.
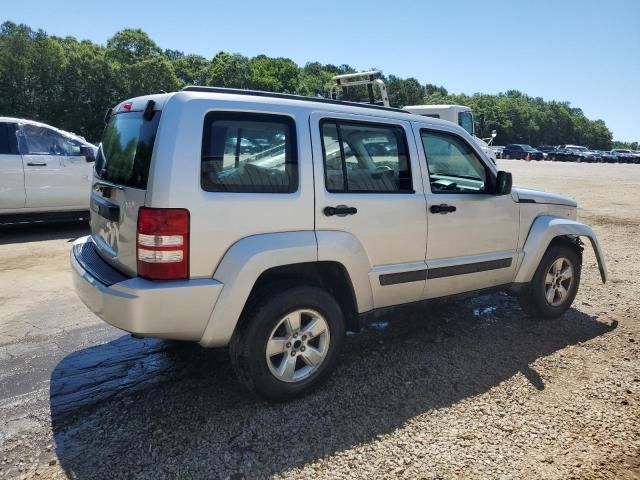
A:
x: 464, y: 389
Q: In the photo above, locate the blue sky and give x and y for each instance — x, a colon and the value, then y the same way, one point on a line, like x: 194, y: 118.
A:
x: 586, y: 52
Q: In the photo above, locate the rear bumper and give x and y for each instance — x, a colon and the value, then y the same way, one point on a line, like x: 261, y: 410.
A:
x: 177, y: 310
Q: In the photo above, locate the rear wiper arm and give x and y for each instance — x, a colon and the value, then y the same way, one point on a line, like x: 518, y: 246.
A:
x: 104, y: 183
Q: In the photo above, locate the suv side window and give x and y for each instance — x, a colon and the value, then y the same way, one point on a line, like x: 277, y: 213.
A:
x: 365, y: 158
x: 453, y: 165
x: 249, y: 152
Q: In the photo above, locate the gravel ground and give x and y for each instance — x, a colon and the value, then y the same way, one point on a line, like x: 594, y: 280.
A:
x: 466, y: 389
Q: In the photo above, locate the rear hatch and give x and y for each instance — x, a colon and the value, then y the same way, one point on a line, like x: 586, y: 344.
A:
x: 120, y: 181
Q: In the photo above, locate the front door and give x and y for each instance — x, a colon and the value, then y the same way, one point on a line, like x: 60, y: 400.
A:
x: 56, y: 175
x: 473, y: 233
x: 368, y: 185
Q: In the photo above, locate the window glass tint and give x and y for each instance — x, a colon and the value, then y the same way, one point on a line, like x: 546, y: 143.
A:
x: 251, y: 153
x: 360, y: 157
x: 453, y: 165
x: 124, y: 156
x: 5, y: 146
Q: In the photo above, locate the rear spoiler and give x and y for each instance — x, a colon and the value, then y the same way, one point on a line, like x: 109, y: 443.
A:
x: 147, y: 115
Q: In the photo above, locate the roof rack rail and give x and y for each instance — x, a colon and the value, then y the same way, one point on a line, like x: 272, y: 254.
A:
x: 289, y: 96
x: 361, y: 78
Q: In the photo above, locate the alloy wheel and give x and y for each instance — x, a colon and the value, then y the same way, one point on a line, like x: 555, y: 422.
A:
x: 298, y: 345
x: 558, y: 282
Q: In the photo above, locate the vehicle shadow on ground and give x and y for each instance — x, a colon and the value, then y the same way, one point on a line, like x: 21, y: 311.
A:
x: 131, y: 408
x: 38, y: 232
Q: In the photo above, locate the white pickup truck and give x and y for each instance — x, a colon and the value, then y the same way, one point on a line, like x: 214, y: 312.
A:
x: 43, y: 171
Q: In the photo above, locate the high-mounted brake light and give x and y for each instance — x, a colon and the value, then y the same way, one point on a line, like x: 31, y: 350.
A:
x: 163, y: 243
x: 127, y: 106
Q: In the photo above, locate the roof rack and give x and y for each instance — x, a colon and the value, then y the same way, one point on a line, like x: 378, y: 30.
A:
x: 258, y: 93
x: 361, y: 78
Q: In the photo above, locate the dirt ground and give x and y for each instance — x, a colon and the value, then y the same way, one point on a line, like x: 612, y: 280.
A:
x: 468, y: 389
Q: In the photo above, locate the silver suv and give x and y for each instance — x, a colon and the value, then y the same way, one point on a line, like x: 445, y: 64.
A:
x: 274, y: 223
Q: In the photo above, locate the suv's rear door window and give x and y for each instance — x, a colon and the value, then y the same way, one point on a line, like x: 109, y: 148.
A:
x: 127, y: 144
x: 364, y: 157
x: 249, y: 152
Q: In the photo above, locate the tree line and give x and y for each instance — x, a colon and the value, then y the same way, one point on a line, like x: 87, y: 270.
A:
x: 70, y: 84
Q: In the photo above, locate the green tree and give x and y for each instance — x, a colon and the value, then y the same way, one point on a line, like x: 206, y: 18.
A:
x: 229, y: 70
x: 131, y: 45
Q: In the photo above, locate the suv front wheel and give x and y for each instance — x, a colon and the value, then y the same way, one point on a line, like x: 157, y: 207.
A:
x: 288, y: 343
x: 555, y: 283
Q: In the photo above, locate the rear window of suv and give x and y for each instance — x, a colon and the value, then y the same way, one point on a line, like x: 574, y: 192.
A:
x: 249, y: 152
x: 124, y: 156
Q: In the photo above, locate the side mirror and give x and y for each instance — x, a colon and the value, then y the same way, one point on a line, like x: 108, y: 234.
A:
x: 88, y: 153
x: 504, y: 182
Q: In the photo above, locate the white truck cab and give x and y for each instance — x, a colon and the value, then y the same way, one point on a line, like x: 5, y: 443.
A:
x: 273, y: 223
x: 43, y: 170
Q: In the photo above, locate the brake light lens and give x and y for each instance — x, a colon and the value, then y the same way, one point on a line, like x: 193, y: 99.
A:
x: 127, y: 106
x: 163, y: 243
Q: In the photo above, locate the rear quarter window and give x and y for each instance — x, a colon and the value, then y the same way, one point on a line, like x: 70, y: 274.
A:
x: 249, y: 153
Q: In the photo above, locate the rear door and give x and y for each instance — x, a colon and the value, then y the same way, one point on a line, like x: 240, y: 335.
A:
x: 12, y: 194
x: 368, y: 184
x: 120, y: 183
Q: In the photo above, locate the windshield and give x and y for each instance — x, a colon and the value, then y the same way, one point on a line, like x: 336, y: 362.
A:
x: 465, y: 120
x: 578, y: 149
x: 527, y: 147
x: 124, y: 155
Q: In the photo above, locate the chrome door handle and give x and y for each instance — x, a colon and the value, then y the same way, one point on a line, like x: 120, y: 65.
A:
x: 37, y: 164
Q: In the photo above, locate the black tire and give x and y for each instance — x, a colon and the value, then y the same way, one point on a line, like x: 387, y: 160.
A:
x: 533, y: 301
x: 249, y: 343
x: 507, y: 157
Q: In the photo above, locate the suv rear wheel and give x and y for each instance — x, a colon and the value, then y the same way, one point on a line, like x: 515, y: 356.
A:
x: 555, y: 283
x: 288, y: 343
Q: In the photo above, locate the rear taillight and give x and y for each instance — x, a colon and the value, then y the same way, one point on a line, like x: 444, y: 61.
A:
x: 163, y: 243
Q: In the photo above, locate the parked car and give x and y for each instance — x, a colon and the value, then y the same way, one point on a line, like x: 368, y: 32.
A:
x: 607, y: 157
x: 43, y: 171
x: 497, y: 150
x: 625, y: 155
x: 277, y: 256
x: 521, y: 151
x: 574, y: 153
x: 547, y: 148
